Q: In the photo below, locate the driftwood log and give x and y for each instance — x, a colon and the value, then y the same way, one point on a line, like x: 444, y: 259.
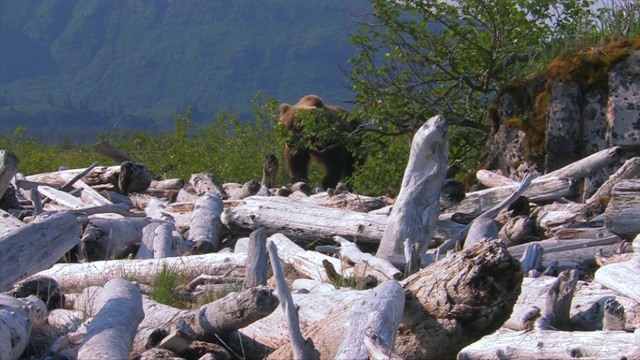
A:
x: 75, y: 277
x: 206, y: 225
x: 17, y: 318
x: 9, y: 163
x: 448, y: 305
x: 36, y: 246
x: 303, y: 220
x: 417, y: 206
x: 111, y: 331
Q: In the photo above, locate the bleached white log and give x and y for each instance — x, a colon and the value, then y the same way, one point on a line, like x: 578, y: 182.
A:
x: 112, y: 329
x: 145, y: 251
x: 256, y: 268
x: 154, y: 208
x: 204, y: 182
x: 168, y: 184
x: 623, y: 277
x: 75, y: 277
x: 205, y: 221
x: 491, y: 179
x: 587, y: 305
x: 309, y: 285
x: 100, y: 175
x: 215, y: 320
x: 302, y: 348
x: 484, y: 220
x: 350, y: 252
x: 36, y: 246
x: 8, y: 223
x: 477, y: 202
x: 312, y: 308
x: 89, y: 195
x: 439, y: 298
x: 557, y: 245
x: 379, y: 311
x: 64, y: 320
x: 348, y: 201
x: 164, y: 243
x: 525, y: 345
x: 588, y: 165
x: 417, y: 206
x: 303, y: 220
x: 62, y: 198
x: 307, y: 262
x: 9, y: 163
x: 17, y: 318
x: 249, y: 188
x: 377, y: 348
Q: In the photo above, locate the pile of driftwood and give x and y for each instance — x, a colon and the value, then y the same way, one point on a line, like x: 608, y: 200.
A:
x: 516, y: 270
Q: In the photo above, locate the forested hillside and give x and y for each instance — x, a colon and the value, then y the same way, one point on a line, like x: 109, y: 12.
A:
x: 69, y: 68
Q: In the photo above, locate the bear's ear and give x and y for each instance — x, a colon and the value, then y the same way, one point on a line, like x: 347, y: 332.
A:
x: 284, y: 108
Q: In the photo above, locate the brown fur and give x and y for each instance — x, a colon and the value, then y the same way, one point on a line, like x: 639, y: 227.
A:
x: 337, y: 161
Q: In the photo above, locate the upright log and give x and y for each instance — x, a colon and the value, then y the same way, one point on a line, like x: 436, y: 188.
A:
x: 256, y: 268
x: 36, y: 246
x: 111, y: 331
x: 8, y: 168
x: 417, y: 206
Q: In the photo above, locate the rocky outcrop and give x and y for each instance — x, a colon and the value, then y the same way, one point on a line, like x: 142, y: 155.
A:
x: 584, y: 102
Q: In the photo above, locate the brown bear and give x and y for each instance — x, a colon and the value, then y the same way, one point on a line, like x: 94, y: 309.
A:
x: 338, y: 161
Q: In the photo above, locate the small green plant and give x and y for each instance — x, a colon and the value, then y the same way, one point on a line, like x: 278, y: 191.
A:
x: 164, y: 286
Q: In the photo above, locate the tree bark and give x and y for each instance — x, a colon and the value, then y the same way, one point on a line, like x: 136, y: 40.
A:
x: 111, y: 331
x: 417, y: 206
x: 36, y: 246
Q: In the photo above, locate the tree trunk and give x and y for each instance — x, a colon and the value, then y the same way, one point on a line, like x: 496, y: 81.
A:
x: 111, y: 331
x: 36, y: 246
x: 417, y: 206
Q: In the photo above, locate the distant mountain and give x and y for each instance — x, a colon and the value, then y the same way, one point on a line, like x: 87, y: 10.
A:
x: 89, y: 64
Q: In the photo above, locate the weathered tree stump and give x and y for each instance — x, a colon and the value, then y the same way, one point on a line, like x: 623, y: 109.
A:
x: 417, y: 206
